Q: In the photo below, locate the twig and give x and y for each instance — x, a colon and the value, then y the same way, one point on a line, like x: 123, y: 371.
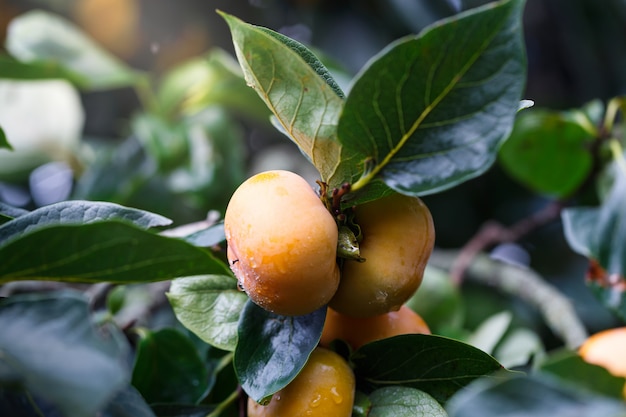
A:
x: 224, y: 404
x: 493, y: 233
x: 526, y: 284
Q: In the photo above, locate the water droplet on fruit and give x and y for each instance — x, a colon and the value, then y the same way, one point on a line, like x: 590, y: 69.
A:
x: 240, y: 286
x: 316, y: 401
x: 337, y: 398
x: 253, y: 263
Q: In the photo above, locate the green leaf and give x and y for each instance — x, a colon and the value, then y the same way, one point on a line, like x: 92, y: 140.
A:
x: 168, y: 368
x: 362, y: 404
x: 309, y: 57
x: 12, y: 69
x: 598, y: 232
x: 8, y: 213
x: 288, y: 78
x: 49, y: 346
x: 519, y: 347
x: 209, y: 306
x: 4, y: 143
x: 127, y: 403
x: 77, y: 212
x: 211, y: 236
x: 164, y: 140
x: 215, y: 163
x: 211, y: 79
x: 491, y: 331
x: 430, y: 111
x: 438, y: 301
x: 202, y: 155
x: 610, y: 292
x: 105, y: 251
x: 272, y: 349
x: 40, y: 37
x: 571, y: 367
x: 400, y: 401
x: 433, y: 364
x: 548, y: 152
x: 537, y: 396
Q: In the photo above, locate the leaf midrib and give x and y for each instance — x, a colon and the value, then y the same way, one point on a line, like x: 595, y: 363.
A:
x: 367, y: 177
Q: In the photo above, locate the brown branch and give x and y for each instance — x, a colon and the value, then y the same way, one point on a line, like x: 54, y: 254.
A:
x: 492, y: 233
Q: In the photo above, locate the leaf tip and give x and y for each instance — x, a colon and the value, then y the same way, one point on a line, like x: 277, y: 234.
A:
x: 525, y: 104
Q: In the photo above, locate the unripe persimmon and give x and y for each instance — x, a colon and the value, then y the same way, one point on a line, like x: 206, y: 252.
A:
x: 398, y: 238
x: 358, y: 331
x: 282, y: 243
x: 324, y: 388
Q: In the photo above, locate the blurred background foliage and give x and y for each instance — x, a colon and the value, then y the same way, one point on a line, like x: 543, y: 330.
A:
x: 576, y: 53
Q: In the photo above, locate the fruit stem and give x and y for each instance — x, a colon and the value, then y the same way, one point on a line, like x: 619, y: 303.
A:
x: 337, y: 195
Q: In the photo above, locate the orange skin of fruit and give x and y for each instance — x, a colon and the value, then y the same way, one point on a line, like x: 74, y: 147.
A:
x: 359, y: 331
x: 398, y: 238
x: 607, y: 349
x: 282, y: 243
x: 324, y: 388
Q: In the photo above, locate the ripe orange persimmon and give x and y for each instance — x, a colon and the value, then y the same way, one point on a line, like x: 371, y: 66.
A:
x: 398, y: 238
x: 282, y: 243
x: 358, y: 331
x: 324, y: 388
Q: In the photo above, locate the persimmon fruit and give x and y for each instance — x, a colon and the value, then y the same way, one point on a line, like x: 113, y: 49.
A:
x: 282, y: 243
x: 398, y: 236
x: 357, y: 331
x: 323, y: 388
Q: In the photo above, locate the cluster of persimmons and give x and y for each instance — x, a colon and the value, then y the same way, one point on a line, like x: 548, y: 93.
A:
x: 282, y: 241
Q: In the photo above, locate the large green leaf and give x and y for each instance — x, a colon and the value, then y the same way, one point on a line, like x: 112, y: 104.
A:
x: 548, y: 152
x: 50, y: 348
x: 41, y: 37
x: 209, y: 306
x: 272, y: 349
x: 168, y: 368
x: 104, y: 251
x: 433, y: 364
x: 431, y: 110
x: 537, y: 396
x: 77, y: 212
x: 297, y: 89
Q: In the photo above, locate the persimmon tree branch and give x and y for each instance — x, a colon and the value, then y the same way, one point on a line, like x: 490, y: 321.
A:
x: 526, y: 284
x: 492, y: 233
